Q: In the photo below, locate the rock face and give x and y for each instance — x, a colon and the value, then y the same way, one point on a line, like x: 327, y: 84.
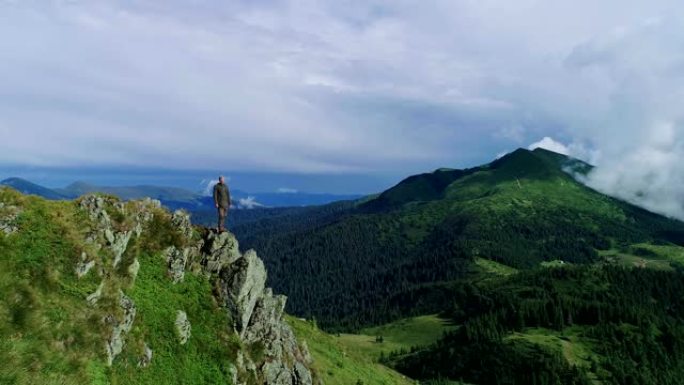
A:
x: 242, y: 286
x: 219, y: 251
x: 112, y: 242
x: 257, y: 314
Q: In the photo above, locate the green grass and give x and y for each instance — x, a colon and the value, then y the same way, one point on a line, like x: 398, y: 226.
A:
x: 576, y: 348
x: 646, y: 255
x: 339, y: 364
x: 206, y: 357
x: 493, y: 267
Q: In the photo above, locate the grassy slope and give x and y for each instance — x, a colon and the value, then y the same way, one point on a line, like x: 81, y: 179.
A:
x: 339, y: 363
x: 402, y: 334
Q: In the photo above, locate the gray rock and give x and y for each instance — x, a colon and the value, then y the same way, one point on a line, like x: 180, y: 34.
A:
x: 120, y: 327
x: 302, y: 376
x: 95, y: 206
x: 8, y: 218
x: 119, y: 244
x: 84, y: 265
x: 146, y: 358
x: 95, y: 296
x: 242, y: 285
x: 176, y: 261
x: 277, y: 373
x: 256, y: 312
x: 306, y: 355
x: 181, y: 219
x: 133, y: 269
x: 219, y: 251
x: 183, y: 327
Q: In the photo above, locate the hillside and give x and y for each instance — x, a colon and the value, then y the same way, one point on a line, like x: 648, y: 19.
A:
x: 102, y: 291
x: 400, y: 253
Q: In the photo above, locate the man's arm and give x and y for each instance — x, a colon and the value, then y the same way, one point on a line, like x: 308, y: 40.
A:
x: 216, y: 195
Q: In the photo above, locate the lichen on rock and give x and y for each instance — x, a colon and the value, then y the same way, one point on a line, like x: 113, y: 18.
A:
x: 120, y: 327
x: 183, y: 327
x: 8, y: 218
x: 218, y: 251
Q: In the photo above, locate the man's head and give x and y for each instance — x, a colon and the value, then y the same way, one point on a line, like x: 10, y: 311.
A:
x: 222, y: 180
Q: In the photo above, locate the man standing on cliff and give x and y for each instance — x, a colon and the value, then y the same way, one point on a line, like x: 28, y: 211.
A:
x: 222, y: 202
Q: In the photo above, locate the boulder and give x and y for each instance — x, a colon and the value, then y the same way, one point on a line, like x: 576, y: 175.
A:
x: 8, y: 218
x: 219, y: 251
x: 277, y: 373
x: 118, y: 243
x: 176, y: 261
x: 181, y: 220
x: 84, y: 265
x: 183, y: 327
x: 146, y: 358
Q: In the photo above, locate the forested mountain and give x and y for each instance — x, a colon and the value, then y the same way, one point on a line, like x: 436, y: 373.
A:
x: 404, y: 251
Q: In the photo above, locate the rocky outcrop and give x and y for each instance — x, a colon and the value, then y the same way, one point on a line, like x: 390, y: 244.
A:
x: 115, y: 240
x: 183, y: 327
x: 120, y: 327
x: 84, y: 265
x: 272, y: 354
x: 8, y: 218
x: 242, y: 286
x: 257, y: 313
x: 176, y: 260
x: 219, y: 251
x: 111, y: 240
x: 146, y: 358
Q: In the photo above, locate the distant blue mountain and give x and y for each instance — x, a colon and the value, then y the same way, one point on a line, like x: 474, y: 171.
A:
x: 29, y: 188
x: 175, y: 198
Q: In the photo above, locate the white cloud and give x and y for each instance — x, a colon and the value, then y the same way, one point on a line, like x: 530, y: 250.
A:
x: 248, y: 203
x: 287, y: 190
x: 548, y: 143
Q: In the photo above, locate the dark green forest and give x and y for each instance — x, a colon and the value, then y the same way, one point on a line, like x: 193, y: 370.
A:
x: 629, y: 320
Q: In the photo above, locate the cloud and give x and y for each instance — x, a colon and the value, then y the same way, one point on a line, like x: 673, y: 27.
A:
x: 551, y: 145
x: 287, y: 190
x: 248, y: 203
x: 346, y: 87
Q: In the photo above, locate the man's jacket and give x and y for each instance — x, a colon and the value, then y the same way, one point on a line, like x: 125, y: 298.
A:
x: 222, y: 195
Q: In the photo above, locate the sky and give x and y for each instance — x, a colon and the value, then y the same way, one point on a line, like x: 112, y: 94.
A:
x: 347, y: 96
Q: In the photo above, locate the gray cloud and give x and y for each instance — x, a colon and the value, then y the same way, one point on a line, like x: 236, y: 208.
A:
x: 345, y: 87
